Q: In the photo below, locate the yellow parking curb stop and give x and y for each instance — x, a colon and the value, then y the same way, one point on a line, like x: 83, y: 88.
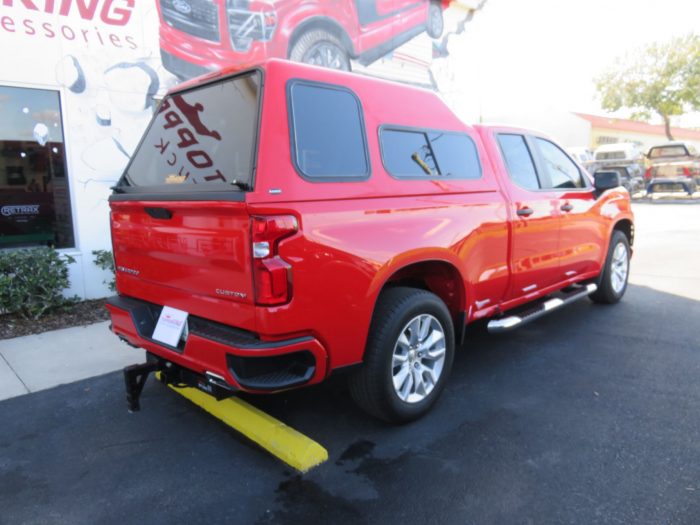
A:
x: 292, y: 447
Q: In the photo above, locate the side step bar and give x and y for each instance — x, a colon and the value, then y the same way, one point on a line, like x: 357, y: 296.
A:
x: 505, y: 324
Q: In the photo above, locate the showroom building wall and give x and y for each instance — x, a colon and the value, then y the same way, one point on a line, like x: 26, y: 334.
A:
x: 84, y: 76
x: 79, y: 81
x: 611, y: 130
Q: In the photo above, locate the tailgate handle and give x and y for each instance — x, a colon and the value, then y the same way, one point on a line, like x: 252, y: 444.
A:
x: 159, y: 213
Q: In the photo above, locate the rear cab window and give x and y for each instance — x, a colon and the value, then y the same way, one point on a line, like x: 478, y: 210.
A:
x: 519, y: 162
x: 668, y: 151
x: 328, y: 139
x: 426, y: 154
x: 200, y: 140
x: 611, y: 155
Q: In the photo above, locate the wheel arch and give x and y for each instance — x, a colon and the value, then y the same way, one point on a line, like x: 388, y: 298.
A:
x: 626, y: 226
x: 437, y: 275
x: 325, y: 23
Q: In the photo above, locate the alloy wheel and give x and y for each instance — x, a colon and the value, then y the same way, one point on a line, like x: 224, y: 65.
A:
x: 418, y: 358
x: 619, y: 268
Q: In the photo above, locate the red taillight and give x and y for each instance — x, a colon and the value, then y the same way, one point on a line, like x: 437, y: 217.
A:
x: 687, y: 172
x: 647, y: 174
x: 272, y: 275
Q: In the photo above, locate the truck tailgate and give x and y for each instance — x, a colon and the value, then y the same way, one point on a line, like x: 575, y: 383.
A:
x: 194, y: 256
x: 669, y: 170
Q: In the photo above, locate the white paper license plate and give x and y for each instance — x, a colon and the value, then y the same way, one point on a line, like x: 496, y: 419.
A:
x: 171, y: 325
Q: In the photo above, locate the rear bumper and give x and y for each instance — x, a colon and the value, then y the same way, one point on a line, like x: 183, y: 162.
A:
x: 241, y: 358
x: 672, y: 184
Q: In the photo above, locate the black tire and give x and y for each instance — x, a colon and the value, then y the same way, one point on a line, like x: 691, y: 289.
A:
x: 372, y: 386
x: 321, y: 48
x: 435, y: 24
x: 607, y: 292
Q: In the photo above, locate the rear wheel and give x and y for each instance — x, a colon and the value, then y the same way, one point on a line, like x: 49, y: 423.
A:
x: 320, y: 48
x: 408, y: 358
x: 613, y: 280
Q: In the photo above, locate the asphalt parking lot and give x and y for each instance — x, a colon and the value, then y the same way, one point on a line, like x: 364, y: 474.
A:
x: 587, y: 416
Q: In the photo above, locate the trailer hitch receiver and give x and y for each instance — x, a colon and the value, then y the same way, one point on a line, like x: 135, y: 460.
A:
x: 134, y: 379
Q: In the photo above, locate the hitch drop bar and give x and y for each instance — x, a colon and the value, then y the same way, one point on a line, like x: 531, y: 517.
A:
x: 134, y: 379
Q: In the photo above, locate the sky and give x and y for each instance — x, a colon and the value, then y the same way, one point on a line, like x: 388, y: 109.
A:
x: 520, y: 57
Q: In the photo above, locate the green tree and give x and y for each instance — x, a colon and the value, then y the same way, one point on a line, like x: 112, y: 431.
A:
x: 661, y: 79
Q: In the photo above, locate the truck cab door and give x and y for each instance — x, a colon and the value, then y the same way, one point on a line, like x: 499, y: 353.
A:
x: 380, y: 21
x: 371, y: 11
x: 535, y: 219
x: 582, y: 235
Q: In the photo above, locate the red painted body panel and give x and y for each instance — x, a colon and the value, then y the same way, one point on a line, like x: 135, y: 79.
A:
x: 462, y: 236
x: 393, y: 19
x: 340, y: 264
x: 177, y: 258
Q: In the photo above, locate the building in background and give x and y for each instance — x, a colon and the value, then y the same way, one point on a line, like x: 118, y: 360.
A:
x: 607, y: 130
x: 79, y: 83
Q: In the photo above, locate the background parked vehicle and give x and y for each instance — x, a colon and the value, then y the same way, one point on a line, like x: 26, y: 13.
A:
x: 673, y: 166
x: 621, y: 154
x: 634, y: 184
x: 198, y: 36
x: 585, y: 157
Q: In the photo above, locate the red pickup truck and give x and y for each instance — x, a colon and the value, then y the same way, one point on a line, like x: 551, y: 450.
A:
x: 299, y: 221
x: 198, y: 36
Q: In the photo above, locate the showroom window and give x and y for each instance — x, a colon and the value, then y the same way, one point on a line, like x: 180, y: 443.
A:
x: 35, y: 205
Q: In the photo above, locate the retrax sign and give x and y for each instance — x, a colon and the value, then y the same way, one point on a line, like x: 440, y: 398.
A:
x: 20, y: 209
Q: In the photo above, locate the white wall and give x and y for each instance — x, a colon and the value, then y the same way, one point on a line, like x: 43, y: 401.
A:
x: 112, y: 50
x: 565, y: 127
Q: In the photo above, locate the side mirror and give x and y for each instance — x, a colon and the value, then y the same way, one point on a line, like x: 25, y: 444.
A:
x: 606, y: 180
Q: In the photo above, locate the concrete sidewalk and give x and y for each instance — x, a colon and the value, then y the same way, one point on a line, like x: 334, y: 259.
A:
x: 38, y: 362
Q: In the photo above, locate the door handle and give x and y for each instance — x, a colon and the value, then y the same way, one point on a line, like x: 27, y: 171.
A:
x: 525, y: 212
x: 159, y: 213
x: 566, y: 207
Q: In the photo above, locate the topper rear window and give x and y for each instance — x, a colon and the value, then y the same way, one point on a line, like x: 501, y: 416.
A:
x: 203, y: 138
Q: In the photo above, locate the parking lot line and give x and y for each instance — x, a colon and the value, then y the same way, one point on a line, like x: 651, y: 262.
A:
x: 292, y: 447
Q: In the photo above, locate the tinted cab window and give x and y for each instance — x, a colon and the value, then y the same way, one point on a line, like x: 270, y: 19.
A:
x: 519, y: 162
x: 561, y: 171
x: 409, y: 153
x: 328, y: 135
